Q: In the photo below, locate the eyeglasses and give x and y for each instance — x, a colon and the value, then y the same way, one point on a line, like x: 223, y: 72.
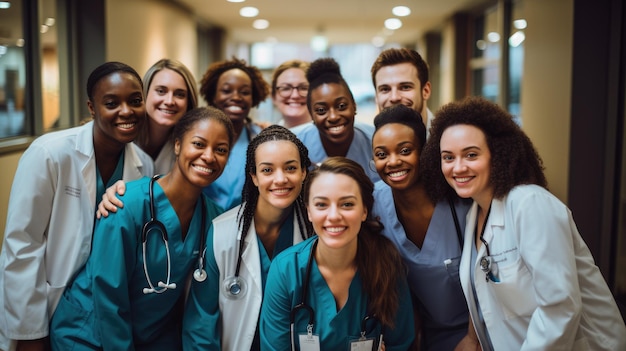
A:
x: 286, y: 90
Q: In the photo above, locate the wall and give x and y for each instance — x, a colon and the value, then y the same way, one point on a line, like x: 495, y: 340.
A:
x: 546, y: 86
x: 8, y: 165
x: 141, y: 32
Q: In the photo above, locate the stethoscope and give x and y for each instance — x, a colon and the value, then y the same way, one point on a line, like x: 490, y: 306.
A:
x: 309, y: 310
x: 153, y: 224
x: 234, y: 286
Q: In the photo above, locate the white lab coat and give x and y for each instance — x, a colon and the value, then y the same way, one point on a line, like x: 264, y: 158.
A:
x: 240, y: 317
x: 49, y: 226
x: 551, y: 295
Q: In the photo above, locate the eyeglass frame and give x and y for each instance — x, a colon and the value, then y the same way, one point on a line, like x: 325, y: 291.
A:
x: 287, y: 89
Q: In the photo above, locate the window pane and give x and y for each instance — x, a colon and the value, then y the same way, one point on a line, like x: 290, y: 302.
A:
x: 516, y: 59
x: 50, y: 68
x: 12, y: 70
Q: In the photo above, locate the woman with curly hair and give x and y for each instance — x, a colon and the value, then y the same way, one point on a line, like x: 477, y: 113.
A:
x: 428, y: 234
x: 234, y: 87
x: 529, y: 279
x: 223, y: 311
x: 332, y: 107
x: 343, y: 289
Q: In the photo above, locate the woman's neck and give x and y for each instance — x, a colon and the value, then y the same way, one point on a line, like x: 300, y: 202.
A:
x: 334, y: 149
x: 158, y: 137
x: 336, y: 260
x: 412, y: 198
x: 182, y: 196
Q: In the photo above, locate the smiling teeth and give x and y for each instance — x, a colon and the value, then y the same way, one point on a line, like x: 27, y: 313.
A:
x: 126, y: 125
x: 463, y: 179
x: 280, y: 191
x: 234, y: 109
x: 398, y: 173
x: 204, y: 169
x: 335, y: 229
x: 335, y: 129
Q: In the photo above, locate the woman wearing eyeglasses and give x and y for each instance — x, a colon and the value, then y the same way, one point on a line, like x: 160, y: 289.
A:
x: 289, y: 91
x: 529, y: 279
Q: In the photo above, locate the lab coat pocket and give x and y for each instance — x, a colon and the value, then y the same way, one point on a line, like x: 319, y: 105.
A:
x: 515, y: 290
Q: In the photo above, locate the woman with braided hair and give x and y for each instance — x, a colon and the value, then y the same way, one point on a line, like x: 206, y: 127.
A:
x: 222, y: 312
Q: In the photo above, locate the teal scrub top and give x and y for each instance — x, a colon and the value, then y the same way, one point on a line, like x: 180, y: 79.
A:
x: 202, y: 328
x: 118, y: 173
x: 335, y: 328
x: 105, y: 306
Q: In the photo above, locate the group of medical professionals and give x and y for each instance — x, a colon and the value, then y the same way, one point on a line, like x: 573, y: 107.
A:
x: 161, y: 224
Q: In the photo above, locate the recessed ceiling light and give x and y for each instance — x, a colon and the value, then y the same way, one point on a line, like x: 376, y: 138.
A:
x: 260, y: 24
x: 5, y: 4
x: 235, y: 0
x: 493, y: 37
x: 49, y: 22
x: 401, y: 11
x: 520, y: 23
x: 249, y: 11
x: 378, y: 41
x: 393, y: 23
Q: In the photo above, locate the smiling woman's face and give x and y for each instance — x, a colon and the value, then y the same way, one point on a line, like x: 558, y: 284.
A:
x: 333, y: 112
x: 234, y: 95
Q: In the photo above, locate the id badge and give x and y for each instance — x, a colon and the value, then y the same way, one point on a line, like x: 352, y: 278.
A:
x: 362, y: 344
x: 309, y: 342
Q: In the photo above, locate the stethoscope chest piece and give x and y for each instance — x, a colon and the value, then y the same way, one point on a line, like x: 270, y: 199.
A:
x: 199, y: 275
x: 235, y: 287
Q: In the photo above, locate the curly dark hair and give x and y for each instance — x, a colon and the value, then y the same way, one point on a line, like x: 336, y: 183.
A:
x: 208, y: 84
x: 514, y: 159
x: 323, y: 71
x: 378, y: 260
x: 250, y: 193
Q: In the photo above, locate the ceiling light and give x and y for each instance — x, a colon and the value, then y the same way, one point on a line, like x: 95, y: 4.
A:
x: 401, y: 11
x: 319, y: 43
x: 517, y: 39
x: 249, y: 11
x: 493, y: 37
x: 49, y: 22
x: 520, y: 24
x: 235, y: 0
x: 393, y: 23
x: 44, y: 29
x: 378, y: 41
x: 260, y: 24
x: 19, y: 42
x: 5, y: 4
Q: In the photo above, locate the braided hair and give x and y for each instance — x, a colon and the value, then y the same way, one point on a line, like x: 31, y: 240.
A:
x: 250, y: 192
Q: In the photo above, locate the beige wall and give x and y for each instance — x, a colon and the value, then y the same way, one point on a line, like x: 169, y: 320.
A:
x: 8, y: 165
x: 546, y: 86
x: 141, y: 32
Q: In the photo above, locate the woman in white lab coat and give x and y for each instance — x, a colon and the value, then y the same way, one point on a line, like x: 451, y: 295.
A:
x: 52, y: 204
x: 529, y: 279
x: 222, y: 312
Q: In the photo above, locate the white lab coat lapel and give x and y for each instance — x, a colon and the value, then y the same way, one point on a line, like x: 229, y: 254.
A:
x: 84, y: 145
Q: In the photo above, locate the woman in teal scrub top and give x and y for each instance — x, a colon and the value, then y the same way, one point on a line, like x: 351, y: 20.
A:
x: 124, y: 297
x: 345, y: 288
